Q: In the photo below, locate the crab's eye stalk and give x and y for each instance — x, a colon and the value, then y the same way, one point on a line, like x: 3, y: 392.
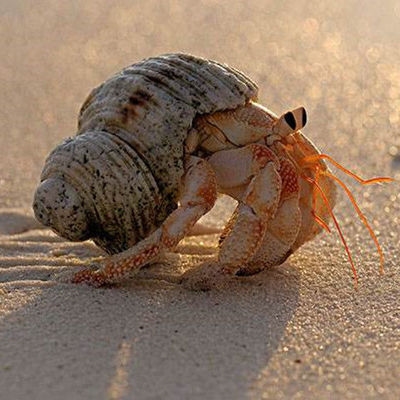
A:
x: 290, y: 122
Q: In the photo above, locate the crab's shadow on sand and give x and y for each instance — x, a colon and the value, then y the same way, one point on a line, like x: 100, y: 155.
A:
x: 145, y: 338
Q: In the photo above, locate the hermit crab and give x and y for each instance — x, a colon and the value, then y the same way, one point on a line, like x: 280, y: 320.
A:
x: 155, y: 145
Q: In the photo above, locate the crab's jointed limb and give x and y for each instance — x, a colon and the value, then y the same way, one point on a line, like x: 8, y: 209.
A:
x: 198, y: 197
x: 256, y: 185
x: 283, y: 228
x: 266, y: 221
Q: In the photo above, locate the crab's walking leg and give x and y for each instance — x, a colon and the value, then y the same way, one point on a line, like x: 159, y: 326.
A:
x: 283, y: 228
x: 250, y: 175
x: 198, y: 197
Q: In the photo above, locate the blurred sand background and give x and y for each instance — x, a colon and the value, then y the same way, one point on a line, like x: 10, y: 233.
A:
x: 298, y: 331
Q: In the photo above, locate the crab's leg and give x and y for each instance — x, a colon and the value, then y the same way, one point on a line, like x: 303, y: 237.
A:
x: 198, y: 197
x: 283, y: 229
x: 250, y: 175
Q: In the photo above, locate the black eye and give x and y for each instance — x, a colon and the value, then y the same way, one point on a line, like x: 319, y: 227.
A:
x: 290, y: 120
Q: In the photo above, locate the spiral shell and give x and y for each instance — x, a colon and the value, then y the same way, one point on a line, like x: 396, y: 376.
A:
x: 119, y: 178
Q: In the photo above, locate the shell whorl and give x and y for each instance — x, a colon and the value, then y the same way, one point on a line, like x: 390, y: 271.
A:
x: 119, y: 178
x: 115, y: 199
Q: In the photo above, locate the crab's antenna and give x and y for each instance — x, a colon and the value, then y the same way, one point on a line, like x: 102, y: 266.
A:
x: 361, y: 215
x: 316, y: 217
x: 329, y: 208
x: 371, y: 181
x: 320, y: 221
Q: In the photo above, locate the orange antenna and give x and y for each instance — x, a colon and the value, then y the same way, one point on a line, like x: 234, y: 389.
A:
x: 362, y: 217
x: 316, y: 157
x: 328, y: 206
x: 316, y: 217
x: 364, y: 220
x: 312, y: 160
x: 320, y: 221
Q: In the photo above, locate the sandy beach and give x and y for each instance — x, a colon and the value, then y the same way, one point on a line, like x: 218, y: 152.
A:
x: 297, y: 331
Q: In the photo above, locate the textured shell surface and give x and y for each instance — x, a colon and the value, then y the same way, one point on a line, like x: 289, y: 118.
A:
x: 119, y: 178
